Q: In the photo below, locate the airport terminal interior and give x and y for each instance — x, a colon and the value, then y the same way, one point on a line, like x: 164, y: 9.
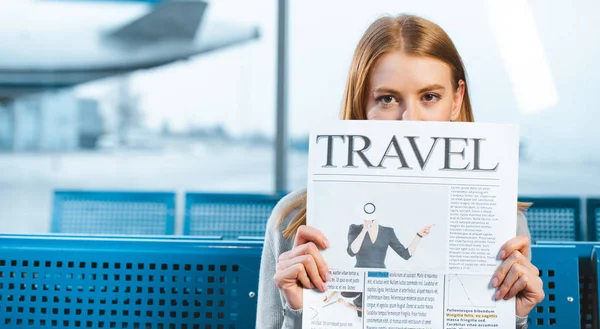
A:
x: 146, y: 138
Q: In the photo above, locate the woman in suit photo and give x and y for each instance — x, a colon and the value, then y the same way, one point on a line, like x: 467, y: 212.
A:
x: 369, y: 242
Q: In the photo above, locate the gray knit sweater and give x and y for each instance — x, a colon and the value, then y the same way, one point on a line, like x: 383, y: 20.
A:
x: 273, y: 312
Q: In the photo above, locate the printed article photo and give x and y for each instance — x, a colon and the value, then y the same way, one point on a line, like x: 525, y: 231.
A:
x: 333, y: 309
x: 393, y: 226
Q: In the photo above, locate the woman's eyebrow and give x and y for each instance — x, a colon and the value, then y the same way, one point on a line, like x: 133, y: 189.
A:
x: 432, y: 87
x: 385, y: 90
x: 388, y: 90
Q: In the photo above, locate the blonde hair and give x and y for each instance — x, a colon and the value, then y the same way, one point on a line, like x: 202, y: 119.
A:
x: 414, y: 36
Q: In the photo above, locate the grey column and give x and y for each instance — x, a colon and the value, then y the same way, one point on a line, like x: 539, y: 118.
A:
x: 281, y: 136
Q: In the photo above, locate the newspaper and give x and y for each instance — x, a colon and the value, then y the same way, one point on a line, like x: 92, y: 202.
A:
x: 415, y: 214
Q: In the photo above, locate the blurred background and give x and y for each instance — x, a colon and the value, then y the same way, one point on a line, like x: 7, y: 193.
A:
x: 116, y: 95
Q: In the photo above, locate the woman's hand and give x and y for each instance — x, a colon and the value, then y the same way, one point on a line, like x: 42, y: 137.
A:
x: 425, y: 230
x: 516, y: 276
x: 302, y: 266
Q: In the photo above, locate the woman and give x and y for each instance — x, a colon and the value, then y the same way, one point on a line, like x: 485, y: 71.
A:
x: 369, y: 242
x: 404, y: 68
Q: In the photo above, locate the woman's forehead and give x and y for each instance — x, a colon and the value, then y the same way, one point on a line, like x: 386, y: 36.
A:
x: 398, y: 70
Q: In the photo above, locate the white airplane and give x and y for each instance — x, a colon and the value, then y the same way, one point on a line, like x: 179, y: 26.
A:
x: 46, y: 49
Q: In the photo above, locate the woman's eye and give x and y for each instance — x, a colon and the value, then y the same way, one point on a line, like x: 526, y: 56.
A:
x: 430, y: 97
x: 387, y: 99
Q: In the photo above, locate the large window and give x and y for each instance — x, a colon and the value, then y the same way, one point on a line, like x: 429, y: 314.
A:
x: 91, y: 99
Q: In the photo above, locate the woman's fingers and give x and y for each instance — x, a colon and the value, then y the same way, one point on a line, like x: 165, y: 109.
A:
x: 308, y: 248
x: 310, y: 234
x: 309, y: 268
x: 519, y: 243
x: 292, y: 275
x: 303, y: 264
x: 507, y: 264
x: 302, y: 276
x: 515, y: 273
x: 517, y: 287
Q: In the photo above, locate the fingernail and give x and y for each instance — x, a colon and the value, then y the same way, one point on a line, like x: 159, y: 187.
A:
x: 497, y: 295
x: 324, y: 287
x: 495, y: 282
x: 327, y: 277
x: 502, y: 254
x: 326, y: 243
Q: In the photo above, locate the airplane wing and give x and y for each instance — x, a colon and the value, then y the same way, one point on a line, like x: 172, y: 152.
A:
x: 173, y: 20
x: 170, y: 31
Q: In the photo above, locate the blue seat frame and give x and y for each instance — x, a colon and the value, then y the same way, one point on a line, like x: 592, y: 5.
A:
x: 228, y: 215
x: 554, y: 219
x: 102, y: 282
x: 113, y: 212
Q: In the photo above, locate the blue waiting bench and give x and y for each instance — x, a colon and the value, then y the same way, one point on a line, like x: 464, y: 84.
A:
x: 60, y: 281
x: 113, y: 212
x: 554, y: 219
x: 228, y: 215
x: 593, y: 219
x: 50, y: 281
x: 586, y: 280
x: 559, y: 270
